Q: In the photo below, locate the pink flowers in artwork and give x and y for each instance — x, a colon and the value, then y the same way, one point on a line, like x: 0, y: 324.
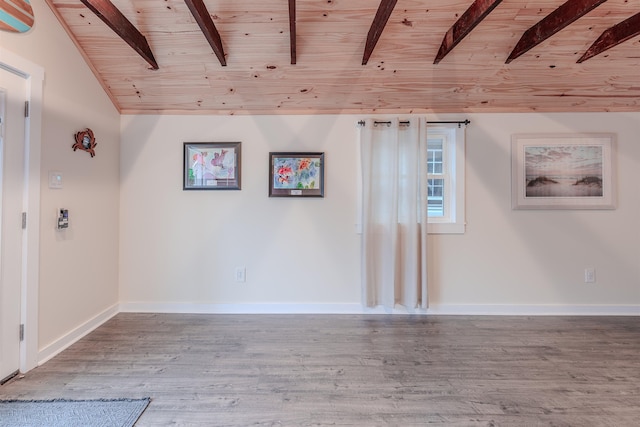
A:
x: 296, y: 172
x: 284, y: 174
x: 304, y: 164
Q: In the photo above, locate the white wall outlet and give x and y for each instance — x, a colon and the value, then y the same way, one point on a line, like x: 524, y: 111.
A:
x: 241, y: 274
x: 589, y: 275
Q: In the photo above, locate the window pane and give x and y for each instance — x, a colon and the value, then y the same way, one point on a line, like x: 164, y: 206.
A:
x: 434, y: 156
x: 435, y: 197
x: 435, y: 166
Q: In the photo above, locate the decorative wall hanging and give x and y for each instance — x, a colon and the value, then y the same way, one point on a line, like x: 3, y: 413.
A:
x: 211, y: 166
x: 16, y: 16
x: 563, y: 171
x: 85, y: 141
x: 296, y: 174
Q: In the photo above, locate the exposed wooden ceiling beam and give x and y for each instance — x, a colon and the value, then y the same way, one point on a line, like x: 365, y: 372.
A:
x: 463, y: 26
x: 564, y: 15
x: 378, y: 24
x: 203, y: 18
x: 110, y: 15
x: 613, y: 36
x: 292, y: 29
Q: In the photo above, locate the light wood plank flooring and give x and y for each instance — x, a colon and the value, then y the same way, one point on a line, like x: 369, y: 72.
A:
x: 291, y: 370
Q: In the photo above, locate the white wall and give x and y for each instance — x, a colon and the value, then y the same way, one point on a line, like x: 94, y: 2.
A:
x: 538, y: 257
x: 179, y: 248
x: 183, y: 246
x: 78, y: 267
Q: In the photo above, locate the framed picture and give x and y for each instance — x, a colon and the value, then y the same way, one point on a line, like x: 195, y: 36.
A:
x: 563, y: 171
x: 296, y: 174
x: 211, y: 166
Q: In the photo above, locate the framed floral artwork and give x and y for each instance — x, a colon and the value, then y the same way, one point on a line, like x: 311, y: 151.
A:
x: 299, y: 174
x: 211, y: 166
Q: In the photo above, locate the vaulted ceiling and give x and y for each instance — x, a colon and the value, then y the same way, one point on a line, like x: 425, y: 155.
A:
x: 307, y: 56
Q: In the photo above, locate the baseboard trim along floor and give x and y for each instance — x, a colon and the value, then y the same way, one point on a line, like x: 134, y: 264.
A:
x: 491, y: 310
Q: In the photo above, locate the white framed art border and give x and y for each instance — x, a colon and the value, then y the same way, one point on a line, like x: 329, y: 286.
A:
x: 563, y: 171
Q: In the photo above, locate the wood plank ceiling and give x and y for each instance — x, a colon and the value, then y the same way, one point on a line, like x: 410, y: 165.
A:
x: 338, y: 56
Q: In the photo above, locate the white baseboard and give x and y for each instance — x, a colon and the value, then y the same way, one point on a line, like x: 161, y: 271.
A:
x: 477, y: 310
x: 535, y: 310
x: 53, y: 349
x: 194, y: 308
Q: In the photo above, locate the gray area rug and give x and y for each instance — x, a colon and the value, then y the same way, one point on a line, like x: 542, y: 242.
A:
x: 71, y: 413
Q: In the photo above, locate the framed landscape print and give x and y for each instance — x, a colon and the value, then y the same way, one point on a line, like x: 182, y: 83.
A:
x: 563, y: 171
x: 211, y: 166
x: 296, y: 174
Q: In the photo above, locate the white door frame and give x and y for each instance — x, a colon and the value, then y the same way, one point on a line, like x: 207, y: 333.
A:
x: 34, y: 76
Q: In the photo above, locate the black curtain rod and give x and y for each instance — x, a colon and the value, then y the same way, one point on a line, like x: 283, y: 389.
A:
x: 458, y: 122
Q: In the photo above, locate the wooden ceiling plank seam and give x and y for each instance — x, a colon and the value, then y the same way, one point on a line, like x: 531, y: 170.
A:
x: 292, y: 30
x: 613, y: 36
x: 377, y: 26
x: 564, y: 15
x: 203, y: 18
x: 111, y: 15
x: 479, y: 10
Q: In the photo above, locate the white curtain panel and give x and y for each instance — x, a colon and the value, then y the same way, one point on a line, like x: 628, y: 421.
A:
x: 394, y: 213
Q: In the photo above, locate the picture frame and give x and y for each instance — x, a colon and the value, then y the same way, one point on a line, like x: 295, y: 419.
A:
x: 563, y: 171
x: 211, y: 166
x: 296, y: 174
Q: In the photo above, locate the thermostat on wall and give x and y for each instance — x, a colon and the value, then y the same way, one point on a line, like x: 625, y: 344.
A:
x: 55, y: 179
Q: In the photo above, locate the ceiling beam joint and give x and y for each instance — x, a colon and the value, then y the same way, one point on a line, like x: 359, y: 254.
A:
x: 479, y: 10
x: 203, y: 18
x: 564, y: 15
x: 378, y: 24
x: 111, y: 15
x: 613, y: 36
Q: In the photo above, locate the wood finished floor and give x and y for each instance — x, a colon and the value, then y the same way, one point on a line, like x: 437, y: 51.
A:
x: 293, y: 370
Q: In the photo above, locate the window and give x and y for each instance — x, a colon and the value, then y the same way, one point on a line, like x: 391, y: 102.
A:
x: 445, y: 166
x: 445, y: 178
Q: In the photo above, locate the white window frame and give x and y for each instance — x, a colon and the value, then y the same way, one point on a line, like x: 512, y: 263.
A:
x: 453, y: 221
